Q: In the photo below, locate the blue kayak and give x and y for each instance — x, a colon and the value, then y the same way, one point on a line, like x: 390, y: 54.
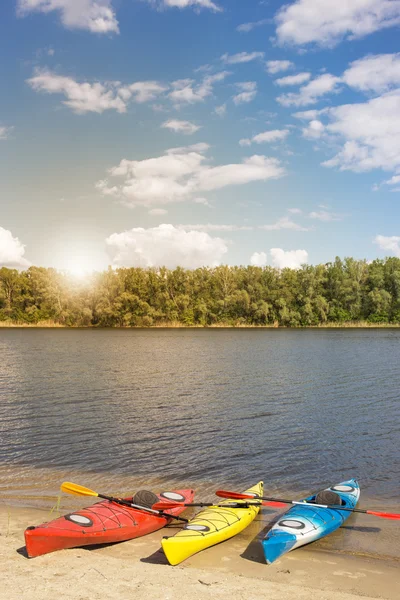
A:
x: 303, y: 523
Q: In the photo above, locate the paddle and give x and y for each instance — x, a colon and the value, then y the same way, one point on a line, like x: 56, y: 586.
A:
x: 280, y: 502
x: 80, y: 490
x: 170, y: 505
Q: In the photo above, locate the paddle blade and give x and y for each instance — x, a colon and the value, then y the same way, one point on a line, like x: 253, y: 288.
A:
x: 275, y: 504
x: 76, y: 490
x: 166, y: 505
x: 383, y: 515
x: 234, y: 495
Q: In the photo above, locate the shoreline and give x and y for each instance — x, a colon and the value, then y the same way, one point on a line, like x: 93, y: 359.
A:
x: 234, y: 569
x: 175, y: 325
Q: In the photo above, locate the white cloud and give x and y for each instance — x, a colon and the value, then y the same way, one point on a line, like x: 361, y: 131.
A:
x: 11, y: 251
x: 248, y: 93
x: 393, y: 181
x: 290, y: 259
x: 155, y: 212
x: 181, y: 174
x: 181, y: 126
x: 377, y: 73
x: 220, y: 110
x: 186, y: 91
x: 96, y: 16
x: 141, y: 91
x: 187, y: 3
x: 94, y: 97
x: 309, y: 115
x: 312, y: 92
x: 266, y: 137
x: 389, y: 244
x: 258, y: 259
x: 327, y: 22
x: 201, y: 200
x: 254, y: 168
x: 370, y: 132
x: 293, y: 79
x: 324, y: 215
x: 165, y: 245
x: 241, y: 57
x: 295, y: 211
x: 246, y: 27
x: 5, y: 132
x: 314, y: 130
x: 277, y: 66
x: 284, y: 223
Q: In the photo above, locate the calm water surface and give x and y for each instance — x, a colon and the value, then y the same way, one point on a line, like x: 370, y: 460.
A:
x: 301, y: 409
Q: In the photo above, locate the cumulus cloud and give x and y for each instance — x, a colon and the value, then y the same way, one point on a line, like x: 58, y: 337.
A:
x: 327, y: 22
x: 324, y: 215
x: 389, y: 244
x: 241, y: 57
x: 258, y: 259
x: 220, y: 110
x: 376, y: 73
x: 201, y: 200
x: 277, y: 66
x: 289, y: 259
x: 370, y: 133
x: 186, y: 4
x: 273, y: 135
x: 181, y: 174
x: 181, y: 126
x: 247, y: 94
x: 165, y: 245
x: 293, y: 79
x: 312, y: 92
x: 5, y: 132
x: 97, y: 16
x: 11, y: 251
x: 187, y: 91
x: 246, y: 27
x: 284, y: 223
x: 94, y: 97
x: 314, y: 130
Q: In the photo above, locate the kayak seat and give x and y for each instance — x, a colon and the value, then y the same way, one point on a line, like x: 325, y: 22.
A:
x: 145, y: 498
x: 328, y: 497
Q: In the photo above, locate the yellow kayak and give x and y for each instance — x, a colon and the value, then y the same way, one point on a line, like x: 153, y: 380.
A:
x: 211, y: 526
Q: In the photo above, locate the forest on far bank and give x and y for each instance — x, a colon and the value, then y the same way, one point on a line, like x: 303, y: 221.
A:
x: 339, y: 292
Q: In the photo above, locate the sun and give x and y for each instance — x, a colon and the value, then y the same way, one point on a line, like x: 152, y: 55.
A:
x: 79, y: 267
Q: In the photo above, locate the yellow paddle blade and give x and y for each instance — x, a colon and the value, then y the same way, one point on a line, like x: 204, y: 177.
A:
x: 76, y: 490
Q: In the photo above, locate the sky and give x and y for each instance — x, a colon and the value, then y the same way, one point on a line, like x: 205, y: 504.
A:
x: 198, y: 132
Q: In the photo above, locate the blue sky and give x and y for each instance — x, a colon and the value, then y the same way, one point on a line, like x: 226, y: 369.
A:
x: 194, y: 132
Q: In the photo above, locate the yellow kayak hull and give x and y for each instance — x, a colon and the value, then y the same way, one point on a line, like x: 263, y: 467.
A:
x: 209, y: 527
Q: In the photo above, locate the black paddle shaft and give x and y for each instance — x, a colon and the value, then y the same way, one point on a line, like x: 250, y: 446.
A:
x: 157, y: 513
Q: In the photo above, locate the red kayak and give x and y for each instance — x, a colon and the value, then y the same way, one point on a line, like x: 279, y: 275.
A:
x: 102, y: 523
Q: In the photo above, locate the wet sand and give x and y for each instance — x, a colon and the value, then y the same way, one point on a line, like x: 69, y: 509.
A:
x: 234, y: 570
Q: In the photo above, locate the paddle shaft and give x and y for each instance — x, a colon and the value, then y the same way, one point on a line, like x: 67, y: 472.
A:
x: 171, y: 505
x: 235, y: 495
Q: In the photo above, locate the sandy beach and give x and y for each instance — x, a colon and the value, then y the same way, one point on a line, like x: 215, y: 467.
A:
x: 234, y: 569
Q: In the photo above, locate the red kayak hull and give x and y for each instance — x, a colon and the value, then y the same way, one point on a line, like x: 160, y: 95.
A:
x: 102, y: 523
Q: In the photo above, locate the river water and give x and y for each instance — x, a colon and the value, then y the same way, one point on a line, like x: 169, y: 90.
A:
x: 214, y: 408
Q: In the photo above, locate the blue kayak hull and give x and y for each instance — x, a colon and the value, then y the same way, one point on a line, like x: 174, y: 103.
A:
x: 303, y: 524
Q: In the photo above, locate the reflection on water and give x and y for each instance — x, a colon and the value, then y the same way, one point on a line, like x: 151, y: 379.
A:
x: 122, y: 409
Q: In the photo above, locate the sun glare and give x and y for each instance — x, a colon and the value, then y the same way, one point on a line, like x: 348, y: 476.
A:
x: 79, y: 267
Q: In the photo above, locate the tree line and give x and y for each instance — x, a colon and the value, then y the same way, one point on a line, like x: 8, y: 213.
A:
x: 342, y: 291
